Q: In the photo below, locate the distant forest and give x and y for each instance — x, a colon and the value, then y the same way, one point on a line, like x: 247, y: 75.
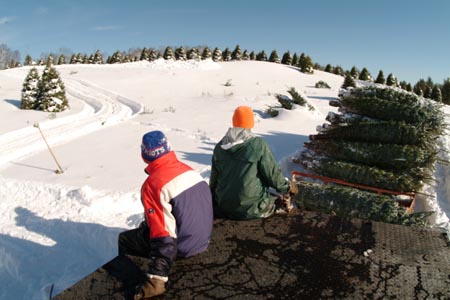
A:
x: 427, y: 88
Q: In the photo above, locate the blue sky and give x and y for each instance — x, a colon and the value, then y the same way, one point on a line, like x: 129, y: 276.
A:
x: 410, y: 39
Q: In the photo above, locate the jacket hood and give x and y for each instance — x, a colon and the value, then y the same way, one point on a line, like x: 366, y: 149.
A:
x: 235, y: 136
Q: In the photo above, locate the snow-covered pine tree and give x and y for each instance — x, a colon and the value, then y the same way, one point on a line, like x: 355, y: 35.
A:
x: 329, y: 68
x: 306, y: 65
x: 427, y: 92
x: 391, y: 80
x: 339, y: 71
x: 98, y: 58
x: 380, y: 78
x: 144, y: 55
x: 126, y: 59
x: 245, y: 55
x: 30, y: 90
x: 348, y: 81
x: 206, y: 53
x: 217, y: 55
x: 286, y: 59
x: 62, y: 59
x: 226, y: 54
x: 417, y: 90
x: 152, y: 55
x: 86, y: 59
x: 252, y: 55
x: 262, y: 56
x: 168, y: 53
x: 354, y: 72
x: 365, y: 75
x: 274, y: 57
x: 116, y: 58
x: 193, y: 54
x: 237, y: 53
x: 52, y: 93
x: 180, y: 54
x: 436, y: 94
x: 28, y: 61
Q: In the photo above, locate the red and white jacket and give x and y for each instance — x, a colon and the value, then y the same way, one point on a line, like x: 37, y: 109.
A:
x: 178, y: 211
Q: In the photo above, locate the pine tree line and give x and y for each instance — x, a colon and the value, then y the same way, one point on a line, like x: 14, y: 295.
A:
x: 45, y: 93
x: 425, y: 88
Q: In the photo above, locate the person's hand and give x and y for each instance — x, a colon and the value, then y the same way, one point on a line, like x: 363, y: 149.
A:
x: 153, y: 287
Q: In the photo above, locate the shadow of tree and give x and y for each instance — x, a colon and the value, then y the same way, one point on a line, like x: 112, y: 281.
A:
x: 14, y: 102
x: 276, y: 140
x: 28, y: 269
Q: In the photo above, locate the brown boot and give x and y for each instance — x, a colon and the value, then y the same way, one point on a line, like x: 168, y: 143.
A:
x: 153, y: 287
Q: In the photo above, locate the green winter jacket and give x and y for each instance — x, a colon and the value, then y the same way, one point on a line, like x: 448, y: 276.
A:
x: 243, y: 168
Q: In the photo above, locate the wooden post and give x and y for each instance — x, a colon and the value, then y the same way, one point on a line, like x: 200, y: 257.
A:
x: 59, y: 170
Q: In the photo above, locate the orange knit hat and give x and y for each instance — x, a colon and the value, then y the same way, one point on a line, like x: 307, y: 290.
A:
x: 243, y: 117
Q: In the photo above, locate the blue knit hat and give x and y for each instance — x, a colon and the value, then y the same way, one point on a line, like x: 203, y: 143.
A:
x: 154, y: 145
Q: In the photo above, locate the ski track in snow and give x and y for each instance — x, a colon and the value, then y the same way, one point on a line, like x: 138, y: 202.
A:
x: 101, y: 109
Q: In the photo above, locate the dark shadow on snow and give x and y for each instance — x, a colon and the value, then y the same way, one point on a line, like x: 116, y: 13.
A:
x: 79, y: 248
x: 14, y: 102
x: 323, y: 98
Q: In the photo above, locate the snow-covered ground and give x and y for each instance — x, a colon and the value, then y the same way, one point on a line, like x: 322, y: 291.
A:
x: 57, y: 228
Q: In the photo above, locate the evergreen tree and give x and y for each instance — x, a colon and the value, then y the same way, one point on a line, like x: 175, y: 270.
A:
x: 354, y: 72
x: 217, y: 55
x: 380, y: 78
x: 329, y: 68
x: 73, y: 59
x: 436, y: 94
x: 286, y: 59
x: 193, y: 54
x: 49, y: 62
x: 126, y: 59
x: 30, y: 91
x: 62, y: 60
x: 446, y: 91
x: 274, y: 57
x: 206, y: 54
x: 180, y: 53
x: 79, y: 58
x: 28, y: 61
x: 365, y: 75
x: 152, y: 55
x: 391, y: 80
x: 349, y: 81
x: 427, y: 92
x: 116, y: 58
x: 261, y: 56
x: 339, y: 71
x: 98, y: 58
x: 295, y: 60
x: 168, y: 53
x: 145, y: 54
x: 226, y: 54
x: 86, y: 59
x: 52, y: 94
x: 306, y: 65
x: 252, y: 55
x: 409, y: 87
x: 245, y: 55
x: 418, y: 90
x: 237, y: 53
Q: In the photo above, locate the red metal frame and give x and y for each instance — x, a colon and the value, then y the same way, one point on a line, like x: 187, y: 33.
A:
x: 326, y: 180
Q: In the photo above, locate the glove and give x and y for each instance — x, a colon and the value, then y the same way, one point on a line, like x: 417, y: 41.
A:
x: 153, y: 287
x: 283, y: 203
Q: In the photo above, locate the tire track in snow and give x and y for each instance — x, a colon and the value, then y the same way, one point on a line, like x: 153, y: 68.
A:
x: 101, y: 109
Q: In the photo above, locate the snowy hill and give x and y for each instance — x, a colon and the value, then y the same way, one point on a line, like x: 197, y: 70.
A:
x: 56, y: 228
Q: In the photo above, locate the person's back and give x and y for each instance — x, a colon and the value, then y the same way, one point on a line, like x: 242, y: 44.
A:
x: 243, y: 168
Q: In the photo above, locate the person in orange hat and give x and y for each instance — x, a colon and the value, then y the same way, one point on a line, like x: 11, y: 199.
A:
x: 242, y: 170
